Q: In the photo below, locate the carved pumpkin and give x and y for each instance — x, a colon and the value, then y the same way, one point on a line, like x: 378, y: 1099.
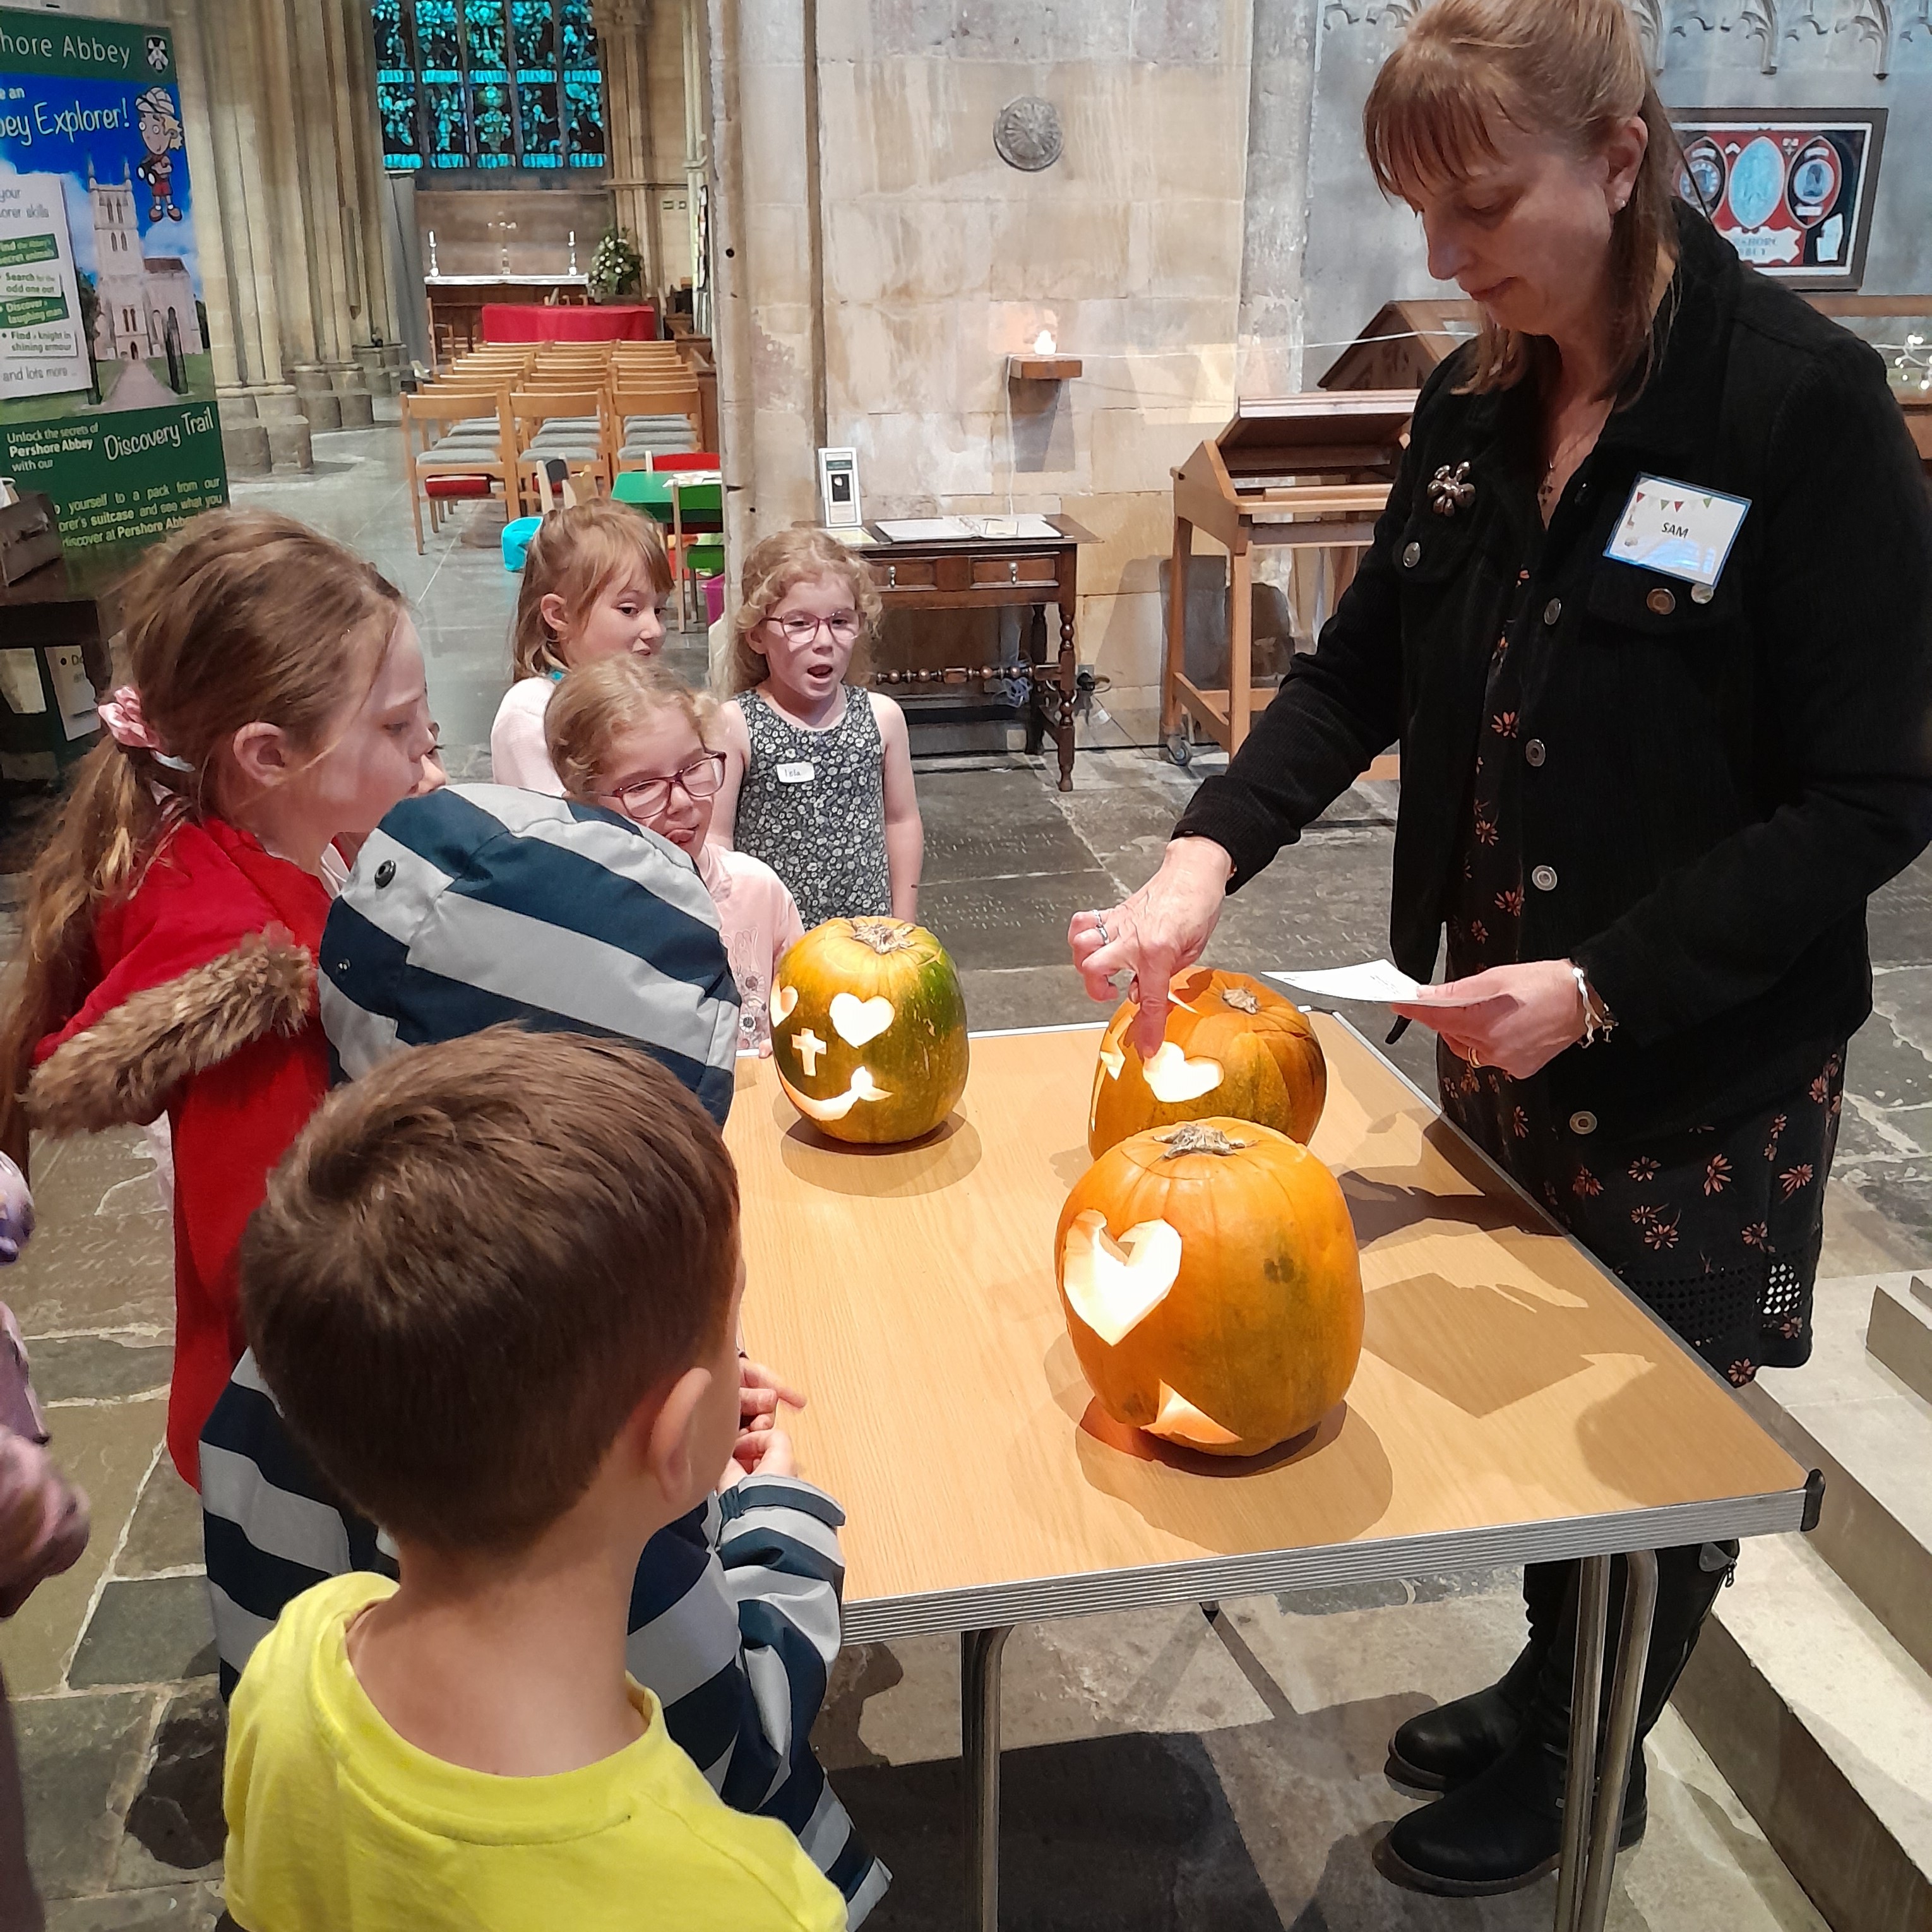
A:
x: 1233, y: 1048
x: 869, y: 1029
x: 1212, y: 1286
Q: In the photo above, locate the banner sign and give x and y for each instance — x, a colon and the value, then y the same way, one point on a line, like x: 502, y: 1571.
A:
x: 1790, y: 189
x: 106, y: 385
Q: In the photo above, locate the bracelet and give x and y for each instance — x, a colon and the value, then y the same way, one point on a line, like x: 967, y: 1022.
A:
x: 1599, y: 1022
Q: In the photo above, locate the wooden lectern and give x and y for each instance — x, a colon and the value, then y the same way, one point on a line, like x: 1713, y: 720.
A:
x: 1401, y: 347
x: 1310, y: 471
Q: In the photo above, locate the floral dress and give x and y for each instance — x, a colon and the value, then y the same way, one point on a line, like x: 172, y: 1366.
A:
x: 1717, y: 1229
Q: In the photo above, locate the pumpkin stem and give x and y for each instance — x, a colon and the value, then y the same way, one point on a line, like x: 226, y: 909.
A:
x: 1240, y: 999
x: 883, y: 935
x: 1192, y: 1137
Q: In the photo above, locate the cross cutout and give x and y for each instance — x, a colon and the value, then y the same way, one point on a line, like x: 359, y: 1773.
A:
x: 807, y: 1046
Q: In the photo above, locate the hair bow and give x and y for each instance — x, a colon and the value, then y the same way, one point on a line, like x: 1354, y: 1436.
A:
x: 128, y: 727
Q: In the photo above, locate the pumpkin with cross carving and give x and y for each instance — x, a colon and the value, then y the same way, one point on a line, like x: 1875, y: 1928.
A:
x: 1212, y: 1286
x: 869, y: 1029
x: 1233, y: 1047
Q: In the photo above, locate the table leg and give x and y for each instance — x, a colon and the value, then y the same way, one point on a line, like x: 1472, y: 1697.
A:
x: 1036, y: 698
x: 1586, y: 1683
x: 979, y: 1760
x: 1069, y: 668
x: 1626, y: 1695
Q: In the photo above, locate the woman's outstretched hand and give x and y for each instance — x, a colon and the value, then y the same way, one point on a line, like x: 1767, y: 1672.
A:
x: 1158, y: 932
x: 1523, y: 1018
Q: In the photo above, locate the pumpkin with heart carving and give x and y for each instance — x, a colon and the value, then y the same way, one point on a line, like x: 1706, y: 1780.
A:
x: 869, y: 1029
x: 1233, y: 1047
x: 1212, y: 1286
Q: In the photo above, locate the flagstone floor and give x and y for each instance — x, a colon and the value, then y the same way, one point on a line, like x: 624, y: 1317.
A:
x: 1165, y: 1771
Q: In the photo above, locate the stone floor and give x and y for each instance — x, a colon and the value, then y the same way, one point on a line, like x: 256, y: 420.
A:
x: 1164, y: 1771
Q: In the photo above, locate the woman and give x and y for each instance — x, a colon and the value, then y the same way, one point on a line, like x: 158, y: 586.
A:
x: 1648, y: 804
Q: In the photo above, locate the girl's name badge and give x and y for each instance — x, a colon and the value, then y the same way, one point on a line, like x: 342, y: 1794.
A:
x: 802, y: 772
x: 1677, y: 530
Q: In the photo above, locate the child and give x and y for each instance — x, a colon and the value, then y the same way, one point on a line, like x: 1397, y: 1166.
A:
x: 495, y: 1287
x: 481, y: 904
x: 594, y: 586
x: 623, y: 733
x: 168, y: 963
x: 818, y: 778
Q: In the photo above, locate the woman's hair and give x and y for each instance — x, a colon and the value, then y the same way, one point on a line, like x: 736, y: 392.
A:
x: 243, y: 617
x: 597, y: 702
x: 1572, y: 69
x: 784, y: 560
x: 577, y: 555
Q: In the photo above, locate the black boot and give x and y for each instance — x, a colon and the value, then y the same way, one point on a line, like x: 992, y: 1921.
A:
x: 1504, y: 1829
x: 1439, y: 1749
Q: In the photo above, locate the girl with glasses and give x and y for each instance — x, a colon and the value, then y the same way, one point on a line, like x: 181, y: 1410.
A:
x: 818, y: 781
x: 624, y: 733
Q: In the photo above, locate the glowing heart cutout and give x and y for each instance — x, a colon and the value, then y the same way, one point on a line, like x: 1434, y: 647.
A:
x: 1174, y: 1080
x: 856, y: 1021
x: 784, y: 999
x: 1114, y: 1286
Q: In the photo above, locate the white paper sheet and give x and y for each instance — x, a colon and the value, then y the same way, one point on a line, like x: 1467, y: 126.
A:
x: 1028, y: 528
x: 1379, y: 981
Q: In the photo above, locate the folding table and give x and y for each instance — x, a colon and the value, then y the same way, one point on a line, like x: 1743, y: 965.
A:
x: 1514, y: 1403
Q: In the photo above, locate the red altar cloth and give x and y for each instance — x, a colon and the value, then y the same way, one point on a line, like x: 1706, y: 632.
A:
x: 539, y: 322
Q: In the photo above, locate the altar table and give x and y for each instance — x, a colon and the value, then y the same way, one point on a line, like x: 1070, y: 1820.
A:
x: 539, y: 321
x: 1514, y: 1403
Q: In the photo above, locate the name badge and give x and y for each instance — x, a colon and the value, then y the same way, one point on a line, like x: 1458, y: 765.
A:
x: 803, y: 772
x: 1678, y: 530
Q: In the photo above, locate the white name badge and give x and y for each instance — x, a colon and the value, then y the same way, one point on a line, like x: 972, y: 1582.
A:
x: 1678, y: 530
x: 803, y: 772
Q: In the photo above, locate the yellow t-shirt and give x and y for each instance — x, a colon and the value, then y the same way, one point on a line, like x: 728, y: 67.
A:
x: 337, y: 1824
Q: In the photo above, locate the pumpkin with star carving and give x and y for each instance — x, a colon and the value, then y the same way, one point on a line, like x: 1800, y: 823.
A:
x: 1233, y: 1047
x: 1212, y: 1286
x: 869, y: 1029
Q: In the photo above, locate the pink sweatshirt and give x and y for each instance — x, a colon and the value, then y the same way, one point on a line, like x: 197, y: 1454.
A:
x: 518, y: 754
x: 758, y: 919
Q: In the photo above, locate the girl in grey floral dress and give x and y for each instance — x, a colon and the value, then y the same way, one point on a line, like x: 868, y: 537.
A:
x: 820, y: 783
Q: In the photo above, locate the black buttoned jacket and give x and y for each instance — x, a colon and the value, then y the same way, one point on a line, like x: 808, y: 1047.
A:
x: 1721, y: 783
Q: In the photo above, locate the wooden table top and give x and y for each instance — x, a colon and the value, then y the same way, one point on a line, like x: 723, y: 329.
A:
x: 1513, y: 1402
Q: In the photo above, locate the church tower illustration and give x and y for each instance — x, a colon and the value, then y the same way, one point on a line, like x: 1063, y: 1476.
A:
x: 142, y: 297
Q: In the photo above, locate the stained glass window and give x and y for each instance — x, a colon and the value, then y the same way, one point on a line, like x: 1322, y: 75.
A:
x: 489, y: 84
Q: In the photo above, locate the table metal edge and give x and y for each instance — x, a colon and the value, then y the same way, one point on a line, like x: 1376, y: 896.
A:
x: 1665, y: 1526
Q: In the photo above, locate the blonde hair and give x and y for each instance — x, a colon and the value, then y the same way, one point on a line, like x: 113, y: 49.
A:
x: 1572, y: 69
x: 776, y: 566
x: 577, y: 555
x: 597, y: 702
x: 243, y: 617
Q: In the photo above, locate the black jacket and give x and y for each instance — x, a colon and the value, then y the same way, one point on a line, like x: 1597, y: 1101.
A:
x: 1722, y: 784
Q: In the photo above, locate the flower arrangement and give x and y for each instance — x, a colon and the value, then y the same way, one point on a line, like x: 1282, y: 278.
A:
x: 616, y: 268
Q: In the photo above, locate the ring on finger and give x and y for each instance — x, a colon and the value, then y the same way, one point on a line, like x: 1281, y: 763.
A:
x: 1470, y: 1056
x: 1100, y: 927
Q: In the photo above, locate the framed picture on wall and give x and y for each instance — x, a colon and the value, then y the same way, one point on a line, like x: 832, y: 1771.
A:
x: 1791, y: 189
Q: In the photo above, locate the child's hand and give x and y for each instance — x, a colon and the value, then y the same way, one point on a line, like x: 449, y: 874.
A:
x: 763, y: 1452
x: 16, y: 1211
x: 760, y: 1392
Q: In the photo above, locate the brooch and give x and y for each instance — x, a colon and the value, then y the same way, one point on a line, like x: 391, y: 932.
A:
x: 1450, y: 490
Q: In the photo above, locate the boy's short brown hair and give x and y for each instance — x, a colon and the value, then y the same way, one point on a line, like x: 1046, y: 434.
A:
x: 475, y: 1263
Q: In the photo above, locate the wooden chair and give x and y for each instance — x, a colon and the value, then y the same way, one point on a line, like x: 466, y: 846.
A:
x: 572, y: 424
x: 646, y: 417
x: 429, y: 457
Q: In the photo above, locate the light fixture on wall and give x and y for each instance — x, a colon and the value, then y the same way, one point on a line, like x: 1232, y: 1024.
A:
x: 1046, y: 364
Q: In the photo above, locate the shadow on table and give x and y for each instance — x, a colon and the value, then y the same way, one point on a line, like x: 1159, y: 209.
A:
x: 928, y: 1166
x: 1480, y: 1346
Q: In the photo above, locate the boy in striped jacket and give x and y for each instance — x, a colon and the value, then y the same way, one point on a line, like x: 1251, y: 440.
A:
x: 473, y: 906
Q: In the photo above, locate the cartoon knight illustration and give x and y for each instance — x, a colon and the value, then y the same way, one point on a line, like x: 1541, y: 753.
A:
x: 160, y: 130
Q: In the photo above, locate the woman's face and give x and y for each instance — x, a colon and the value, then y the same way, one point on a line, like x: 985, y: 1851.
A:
x: 1528, y: 235
x: 626, y: 615
x: 662, y: 746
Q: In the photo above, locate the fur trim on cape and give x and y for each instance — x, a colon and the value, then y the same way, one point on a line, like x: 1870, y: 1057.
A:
x: 120, y: 1071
